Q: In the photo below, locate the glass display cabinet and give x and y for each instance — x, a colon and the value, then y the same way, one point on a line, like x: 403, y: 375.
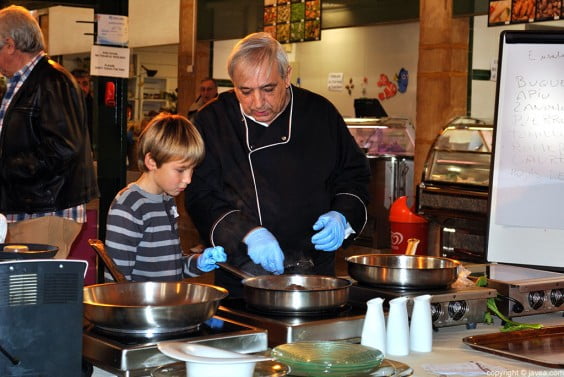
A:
x: 461, y: 154
x: 389, y: 145
x: 383, y: 136
x: 453, y: 193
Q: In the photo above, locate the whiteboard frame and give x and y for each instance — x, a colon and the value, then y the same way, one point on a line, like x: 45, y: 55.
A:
x: 537, y: 247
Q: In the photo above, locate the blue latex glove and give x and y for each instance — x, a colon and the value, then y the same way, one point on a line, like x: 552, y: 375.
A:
x: 331, y: 235
x: 206, y: 261
x: 263, y: 249
x: 215, y: 323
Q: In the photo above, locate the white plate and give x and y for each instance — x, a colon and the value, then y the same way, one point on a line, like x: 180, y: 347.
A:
x: 197, y: 353
x: 262, y: 369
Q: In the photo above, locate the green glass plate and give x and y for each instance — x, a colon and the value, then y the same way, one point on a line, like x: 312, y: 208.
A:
x: 328, y: 358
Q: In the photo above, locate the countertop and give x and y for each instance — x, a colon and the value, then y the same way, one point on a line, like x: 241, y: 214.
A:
x: 448, y: 348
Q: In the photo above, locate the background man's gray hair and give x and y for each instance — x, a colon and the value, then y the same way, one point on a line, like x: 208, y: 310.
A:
x: 18, y: 24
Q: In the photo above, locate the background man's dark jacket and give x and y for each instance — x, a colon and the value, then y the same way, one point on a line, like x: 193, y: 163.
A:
x: 45, y: 155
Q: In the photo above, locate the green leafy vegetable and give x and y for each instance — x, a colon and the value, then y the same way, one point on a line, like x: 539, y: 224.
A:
x: 509, y: 325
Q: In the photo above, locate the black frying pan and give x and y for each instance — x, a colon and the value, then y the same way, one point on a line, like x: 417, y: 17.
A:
x: 34, y: 251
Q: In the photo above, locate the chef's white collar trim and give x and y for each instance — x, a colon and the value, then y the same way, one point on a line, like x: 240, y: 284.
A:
x: 254, y: 120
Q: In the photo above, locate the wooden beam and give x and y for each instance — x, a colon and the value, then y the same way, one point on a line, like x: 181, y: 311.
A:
x: 193, y: 57
x: 193, y: 66
x: 442, y: 74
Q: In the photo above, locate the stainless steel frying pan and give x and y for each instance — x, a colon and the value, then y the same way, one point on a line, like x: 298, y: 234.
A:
x: 292, y: 293
x: 148, y: 307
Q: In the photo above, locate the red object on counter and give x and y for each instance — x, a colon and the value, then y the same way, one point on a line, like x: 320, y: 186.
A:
x: 405, y: 224
x: 110, y: 95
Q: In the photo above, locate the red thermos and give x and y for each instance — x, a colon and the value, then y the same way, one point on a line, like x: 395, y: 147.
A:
x: 405, y: 224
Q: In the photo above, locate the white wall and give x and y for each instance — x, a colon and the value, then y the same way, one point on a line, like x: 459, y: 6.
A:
x: 66, y: 34
x: 357, y: 52
x: 362, y: 52
x: 485, y: 50
x: 163, y: 59
x: 153, y: 23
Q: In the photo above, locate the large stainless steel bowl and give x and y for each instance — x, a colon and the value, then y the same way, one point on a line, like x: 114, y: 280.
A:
x: 403, y: 271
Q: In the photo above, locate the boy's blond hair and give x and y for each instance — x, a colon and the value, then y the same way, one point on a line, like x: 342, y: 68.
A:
x: 170, y: 137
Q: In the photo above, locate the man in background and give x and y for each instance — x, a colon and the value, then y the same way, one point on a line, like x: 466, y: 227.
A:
x: 82, y: 77
x: 208, y: 91
x: 46, y: 169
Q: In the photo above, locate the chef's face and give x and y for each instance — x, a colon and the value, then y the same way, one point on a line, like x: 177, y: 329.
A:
x: 261, y: 90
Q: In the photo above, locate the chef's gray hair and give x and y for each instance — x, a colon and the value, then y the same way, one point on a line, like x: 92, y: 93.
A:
x: 256, y: 48
x: 18, y: 24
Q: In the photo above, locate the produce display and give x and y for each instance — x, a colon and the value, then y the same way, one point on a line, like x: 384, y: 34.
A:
x: 523, y: 10
x: 502, y: 12
x: 548, y: 9
x: 293, y: 20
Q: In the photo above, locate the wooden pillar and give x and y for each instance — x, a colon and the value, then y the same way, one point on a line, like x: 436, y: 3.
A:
x: 193, y: 57
x: 442, y: 74
x: 193, y: 66
x: 186, y: 52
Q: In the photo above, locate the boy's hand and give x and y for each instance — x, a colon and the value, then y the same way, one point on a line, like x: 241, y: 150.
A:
x: 210, y: 256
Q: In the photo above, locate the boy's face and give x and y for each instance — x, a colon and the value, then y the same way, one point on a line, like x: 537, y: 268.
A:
x: 172, y: 177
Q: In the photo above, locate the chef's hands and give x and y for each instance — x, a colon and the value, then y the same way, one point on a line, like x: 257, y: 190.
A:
x: 207, y: 261
x: 263, y: 249
x: 331, y: 235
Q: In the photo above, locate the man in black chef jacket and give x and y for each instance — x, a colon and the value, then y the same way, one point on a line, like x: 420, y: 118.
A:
x: 283, y: 183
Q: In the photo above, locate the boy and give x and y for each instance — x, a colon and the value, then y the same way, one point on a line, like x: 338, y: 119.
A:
x: 142, y: 231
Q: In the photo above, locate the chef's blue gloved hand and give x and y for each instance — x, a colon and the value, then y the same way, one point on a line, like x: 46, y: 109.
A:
x: 263, y: 249
x: 331, y: 233
x: 207, y: 261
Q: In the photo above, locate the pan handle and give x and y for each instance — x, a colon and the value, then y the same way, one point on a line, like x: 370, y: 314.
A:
x: 9, y: 356
x: 99, y: 248
x: 234, y: 270
x: 411, y: 246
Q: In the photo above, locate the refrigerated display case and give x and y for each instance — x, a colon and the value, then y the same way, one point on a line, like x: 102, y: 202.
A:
x: 389, y: 145
x: 453, y: 193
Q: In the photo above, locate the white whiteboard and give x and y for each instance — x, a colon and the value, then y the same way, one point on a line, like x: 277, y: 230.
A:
x: 526, y: 223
